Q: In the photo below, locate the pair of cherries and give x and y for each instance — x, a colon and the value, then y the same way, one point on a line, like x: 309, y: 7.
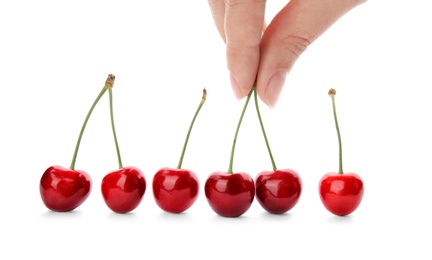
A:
x: 64, y: 189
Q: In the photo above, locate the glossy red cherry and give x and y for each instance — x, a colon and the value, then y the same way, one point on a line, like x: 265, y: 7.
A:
x: 63, y: 189
x: 278, y: 191
x: 230, y: 194
x: 341, y: 194
x: 175, y: 190
x: 123, y: 189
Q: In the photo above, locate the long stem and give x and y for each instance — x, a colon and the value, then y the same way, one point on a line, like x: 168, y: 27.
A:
x: 262, y: 128
x: 113, y: 127
x: 332, y: 94
x: 230, y: 171
x: 72, y: 166
x: 203, y: 99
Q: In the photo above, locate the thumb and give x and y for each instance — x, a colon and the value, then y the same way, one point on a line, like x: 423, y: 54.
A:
x: 288, y: 35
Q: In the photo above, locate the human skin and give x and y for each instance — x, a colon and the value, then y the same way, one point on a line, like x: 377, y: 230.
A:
x: 255, y: 51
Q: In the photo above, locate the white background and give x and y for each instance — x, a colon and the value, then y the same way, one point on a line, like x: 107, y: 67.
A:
x: 55, y: 57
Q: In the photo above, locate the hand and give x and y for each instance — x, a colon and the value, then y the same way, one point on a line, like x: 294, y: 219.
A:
x: 267, y: 53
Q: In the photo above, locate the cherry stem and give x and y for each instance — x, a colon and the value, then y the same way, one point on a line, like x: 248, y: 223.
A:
x: 113, y: 127
x: 332, y: 94
x: 203, y: 99
x: 230, y: 171
x: 262, y: 128
x: 108, y: 83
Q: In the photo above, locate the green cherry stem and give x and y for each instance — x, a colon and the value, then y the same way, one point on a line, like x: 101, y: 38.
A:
x: 108, y: 83
x: 203, y: 99
x: 113, y: 127
x: 230, y: 168
x: 332, y: 93
x: 262, y: 128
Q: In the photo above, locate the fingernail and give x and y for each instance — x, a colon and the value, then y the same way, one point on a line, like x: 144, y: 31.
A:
x: 239, y: 92
x: 274, y: 88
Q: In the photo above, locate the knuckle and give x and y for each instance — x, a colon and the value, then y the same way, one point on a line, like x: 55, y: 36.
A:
x: 295, y: 45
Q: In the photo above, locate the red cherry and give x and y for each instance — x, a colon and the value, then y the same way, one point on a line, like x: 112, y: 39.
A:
x: 123, y: 189
x: 341, y: 194
x: 230, y: 194
x: 175, y: 190
x: 278, y: 191
x: 63, y: 189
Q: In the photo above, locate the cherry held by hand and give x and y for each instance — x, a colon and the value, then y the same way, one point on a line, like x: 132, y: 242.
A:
x: 341, y: 193
x: 277, y: 191
x: 176, y: 190
x: 230, y: 194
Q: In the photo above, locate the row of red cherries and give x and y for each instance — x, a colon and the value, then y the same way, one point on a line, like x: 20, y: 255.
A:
x: 175, y: 190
